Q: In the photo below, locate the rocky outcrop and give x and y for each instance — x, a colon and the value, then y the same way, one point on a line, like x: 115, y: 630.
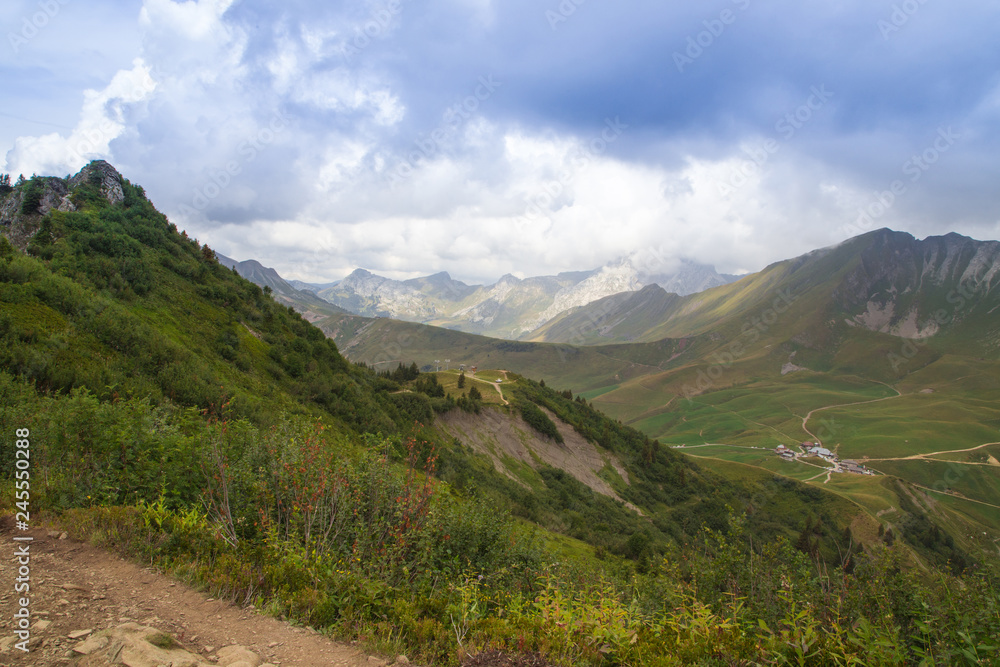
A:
x: 55, y: 194
x: 104, y: 175
x: 19, y: 226
x: 910, y: 288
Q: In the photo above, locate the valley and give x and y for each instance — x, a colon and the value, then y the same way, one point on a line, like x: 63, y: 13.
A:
x: 633, y: 472
x: 726, y: 374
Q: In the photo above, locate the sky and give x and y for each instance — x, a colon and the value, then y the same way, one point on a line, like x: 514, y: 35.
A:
x: 528, y: 137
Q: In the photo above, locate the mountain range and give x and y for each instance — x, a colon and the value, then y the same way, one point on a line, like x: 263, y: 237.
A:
x: 511, y: 308
x: 882, y: 281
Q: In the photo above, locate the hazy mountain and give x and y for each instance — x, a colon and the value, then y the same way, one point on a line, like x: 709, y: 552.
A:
x: 107, y: 297
x: 146, y: 370
x: 311, y: 287
x: 512, y: 307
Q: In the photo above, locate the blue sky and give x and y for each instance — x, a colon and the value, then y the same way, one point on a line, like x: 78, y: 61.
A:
x: 485, y: 138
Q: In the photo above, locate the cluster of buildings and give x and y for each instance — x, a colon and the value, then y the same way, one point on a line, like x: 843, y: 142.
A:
x: 815, y: 449
x: 784, y: 452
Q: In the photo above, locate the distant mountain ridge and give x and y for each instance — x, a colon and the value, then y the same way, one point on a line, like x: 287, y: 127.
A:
x: 883, y: 281
x: 512, y: 307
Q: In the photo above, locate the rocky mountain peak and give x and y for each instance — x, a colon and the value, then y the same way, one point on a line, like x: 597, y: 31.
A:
x: 22, y: 209
x: 508, y: 279
x: 102, y: 174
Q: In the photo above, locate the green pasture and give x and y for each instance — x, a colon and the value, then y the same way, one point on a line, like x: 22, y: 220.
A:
x: 977, y: 482
x: 449, y: 380
x: 914, y: 424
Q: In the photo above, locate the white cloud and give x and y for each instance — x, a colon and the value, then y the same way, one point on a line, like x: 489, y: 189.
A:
x: 195, y: 21
x: 102, y: 119
x: 249, y: 125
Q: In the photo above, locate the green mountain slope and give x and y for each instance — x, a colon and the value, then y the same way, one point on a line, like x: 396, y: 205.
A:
x: 306, y: 302
x: 178, y: 413
x: 882, y: 281
x: 112, y: 298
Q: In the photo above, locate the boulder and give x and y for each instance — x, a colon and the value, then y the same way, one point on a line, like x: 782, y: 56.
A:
x: 129, y: 644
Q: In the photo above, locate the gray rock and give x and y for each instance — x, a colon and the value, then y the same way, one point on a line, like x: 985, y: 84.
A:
x: 100, y: 172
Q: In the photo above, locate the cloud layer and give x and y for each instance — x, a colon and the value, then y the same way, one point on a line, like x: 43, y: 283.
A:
x: 484, y: 138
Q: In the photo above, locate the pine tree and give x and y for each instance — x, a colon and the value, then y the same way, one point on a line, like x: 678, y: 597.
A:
x: 461, y: 380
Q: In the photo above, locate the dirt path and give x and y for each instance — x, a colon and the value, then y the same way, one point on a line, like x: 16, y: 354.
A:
x: 499, y: 391
x: 805, y: 420
x: 950, y: 451
x: 76, y: 587
x: 495, y: 385
x: 952, y: 495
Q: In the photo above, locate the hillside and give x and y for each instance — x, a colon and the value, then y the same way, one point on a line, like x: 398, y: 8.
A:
x: 383, y: 343
x: 766, y: 361
x: 882, y: 281
x: 178, y: 414
x: 305, y: 301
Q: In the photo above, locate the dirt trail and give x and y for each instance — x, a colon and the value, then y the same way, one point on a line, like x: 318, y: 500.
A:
x: 75, y: 587
x: 805, y: 420
x: 955, y: 495
x: 495, y: 385
x: 950, y: 451
x: 499, y: 391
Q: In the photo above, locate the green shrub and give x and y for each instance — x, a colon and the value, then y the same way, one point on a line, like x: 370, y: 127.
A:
x: 539, y: 421
x: 33, y: 192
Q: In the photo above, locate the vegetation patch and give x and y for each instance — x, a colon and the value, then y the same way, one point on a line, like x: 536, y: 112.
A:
x: 163, y: 640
